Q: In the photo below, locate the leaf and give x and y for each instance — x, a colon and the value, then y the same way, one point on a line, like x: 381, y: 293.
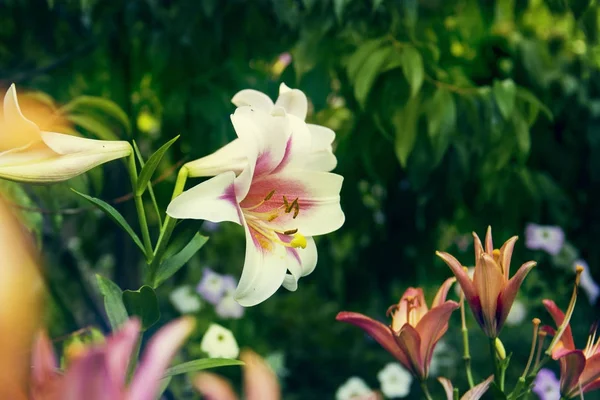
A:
x: 143, y: 304
x: 150, y: 166
x: 361, y: 54
x: 184, y: 232
x: 405, y: 122
x: 412, y: 67
x: 93, y: 126
x: 199, y: 365
x: 107, y: 107
x: 535, y: 103
x: 504, y: 93
x: 164, y: 384
x: 174, y: 263
x: 115, y: 216
x: 140, y: 159
x: 441, y: 122
x: 338, y: 8
x: 369, y: 73
x: 522, y: 132
x: 113, y: 302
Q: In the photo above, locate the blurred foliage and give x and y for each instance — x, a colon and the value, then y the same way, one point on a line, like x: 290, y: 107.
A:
x: 450, y: 115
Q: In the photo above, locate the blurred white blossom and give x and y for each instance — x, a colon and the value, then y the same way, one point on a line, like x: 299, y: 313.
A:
x: 353, y: 389
x: 276, y: 361
x: 185, y: 300
x: 542, y: 237
x: 517, y: 313
x: 219, y: 342
x: 395, y: 381
x: 589, y: 286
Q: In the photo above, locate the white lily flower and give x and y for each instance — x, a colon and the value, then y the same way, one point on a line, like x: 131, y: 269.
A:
x: 219, y: 342
x: 395, y: 380
x: 280, y: 205
x: 232, y: 156
x: 28, y: 154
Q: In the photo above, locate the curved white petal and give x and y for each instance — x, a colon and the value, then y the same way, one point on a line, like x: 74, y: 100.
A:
x: 318, y: 197
x: 293, y: 100
x: 156, y: 358
x: 264, y: 272
x: 16, y: 131
x: 213, y: 200
x: 302, y: 263
x: 231, y: 157
x: 252, y: 98
x: 298, y: 146
x: 69, y: 144
x: 321, y: 156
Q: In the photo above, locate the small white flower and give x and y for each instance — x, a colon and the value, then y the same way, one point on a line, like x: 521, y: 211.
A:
x: 517, y: 313
x: 589, y: 286
x: 548, y: 238
x: 395, y: 381
x: 228, y: 308
x: 185, y: 300
x: 443, y: 356
x: 219, y: 342
x: 354, y: 388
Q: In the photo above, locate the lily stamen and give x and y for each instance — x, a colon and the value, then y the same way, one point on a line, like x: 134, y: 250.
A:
x: 536, y: 326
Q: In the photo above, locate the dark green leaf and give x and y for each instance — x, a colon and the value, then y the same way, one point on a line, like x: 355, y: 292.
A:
x: 113, y: 302
x: 140, y: 159
x: 150, y: 166
x: 338, y: 8
x: 405, y: 122
x: 183, y: 234
x: 143, y: 304
x: 412, y: 66
x: 360, y: 56
x: 369, y: 73
x: 174, y: 263
x: 535, y: 103
x: 504, y: 93
x: 441, y: 122
x: 199, y: 365
x: 105, y: 106
x: 115, y: 216
x: 522, y: 132
x: 93, y: 125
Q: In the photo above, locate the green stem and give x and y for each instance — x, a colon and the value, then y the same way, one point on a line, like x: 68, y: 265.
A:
x: 426, y: 390
x: 498, y: 370
x: 139, y: 206
x: 167, y: 228
x: 465, y: 337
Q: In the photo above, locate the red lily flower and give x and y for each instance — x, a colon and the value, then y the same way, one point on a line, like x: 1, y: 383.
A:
x: 579, y: 369
x: 415, y: 329
x: 490, y: 293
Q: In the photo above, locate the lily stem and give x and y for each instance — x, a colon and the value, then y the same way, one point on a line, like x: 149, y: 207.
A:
x: 166, y: 229
x: 498, y: 370
x: 139, y: 206
x: 465, y: 337
x: 426, y: 390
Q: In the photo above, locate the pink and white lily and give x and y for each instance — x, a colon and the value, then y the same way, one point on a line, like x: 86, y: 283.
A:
x: 579, y: 369
x: 232, y: 157
x: 280, y: 204
x: 28, y: 154
x: 490, y: 293
x: 415, y: 329
x: 99, y: 373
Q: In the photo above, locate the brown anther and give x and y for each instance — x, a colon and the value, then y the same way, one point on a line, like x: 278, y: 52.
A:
x: 285, y: 203
x: 268, y: 197
x: 391, y: 310
x: 290, y: 232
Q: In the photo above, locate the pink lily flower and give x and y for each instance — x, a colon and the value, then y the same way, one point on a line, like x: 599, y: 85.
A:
x: 579, y: 369
x: 415, y: 329
x: 232, y: 156
x: 490, y: 293
x: 280, y: 204
x: 260, y: 382
x: 99, y: 373
x: 475, y: 393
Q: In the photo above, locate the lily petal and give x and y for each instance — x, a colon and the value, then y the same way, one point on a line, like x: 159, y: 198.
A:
x: 119, y: 348
x: 321, y: 157
x: 264, y: 270
x: 378, y: 331
x: 409, y: 341
x: 306, y: 261
x: 231, y: 157
x: 254, y: 99
x: 68, y: 144
x: 489, y: 282
x: 158, y: 355
x: 477, y: 246
x: 89, y: 378
x: 507, y: 297
x: 448, y: 387
x: 558, y: 316
x: 299, y: 146
x: 44, y: 362
x: 506, y: 254
x: 591, y: 371
x: 260, y: 382
x: 432, y: 327
x: 489, y: 244
x: 294, y: 101
x: 213, y: 387
x: 477, y: 391
x: 213, y: 200
x: 463, y: 278
x: 440, y: 296
x: 17, y: 131
x: 571, y: 367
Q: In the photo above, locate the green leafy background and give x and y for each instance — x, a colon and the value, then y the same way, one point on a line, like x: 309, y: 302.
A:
x: 450, y: 115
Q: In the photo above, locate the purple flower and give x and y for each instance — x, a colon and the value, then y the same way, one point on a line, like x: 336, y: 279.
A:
x: 212, y: 286
x: 546, y: 385
x: 228, y: 308
x: 587, y: 283
x: 541, y: 237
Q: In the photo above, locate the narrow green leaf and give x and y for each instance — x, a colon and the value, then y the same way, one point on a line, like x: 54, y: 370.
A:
x: 150, y: 166
x: 183, y: 234
x: 405, y: 122
x: 412, y: 67
x: 199, y: 365
x: 530, y: 98
x: 115, y: 216
x: 107, y: 107
x: 113, y: 303
x: 164, y: 384
x: 93, y: 126
x: 143, y: 304
x: 174, y: 263
x: 441, y: 122
x: 140, y: 159
x: 522, y: 132
x: 362, y: 53
x: 504, y: 93
x: 369, y: 73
